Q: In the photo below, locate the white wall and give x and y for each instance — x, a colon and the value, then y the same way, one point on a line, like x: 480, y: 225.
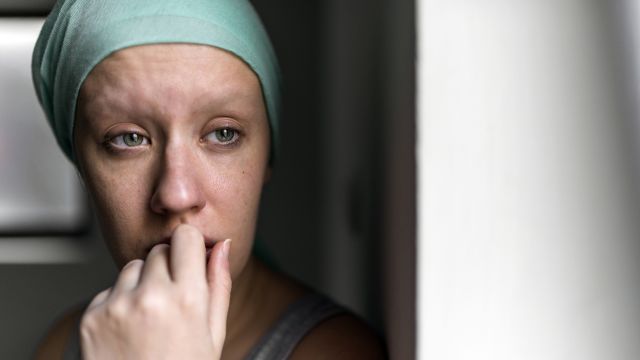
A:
x: 528, y: 230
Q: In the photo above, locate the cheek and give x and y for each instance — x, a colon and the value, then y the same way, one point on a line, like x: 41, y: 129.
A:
x: 242, y: 195
x: 234, y: 198
x: 120, y: 202
x: 234, y: 202
x: 232, y: 188
x: 236, y: 185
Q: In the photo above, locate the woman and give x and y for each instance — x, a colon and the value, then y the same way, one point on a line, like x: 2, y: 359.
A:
x: 169, y: 110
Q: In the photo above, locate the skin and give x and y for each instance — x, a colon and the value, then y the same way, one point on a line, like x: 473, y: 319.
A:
x: 176, y: 98
x: 199, y: 157
x: 191, y: 178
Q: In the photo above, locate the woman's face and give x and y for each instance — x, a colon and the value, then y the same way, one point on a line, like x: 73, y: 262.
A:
x: 169, y: 134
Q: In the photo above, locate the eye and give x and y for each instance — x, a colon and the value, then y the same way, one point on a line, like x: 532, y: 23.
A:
x: 129, y: 140
x: 224, y: 136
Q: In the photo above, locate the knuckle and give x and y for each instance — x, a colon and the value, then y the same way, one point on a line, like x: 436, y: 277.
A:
x: 150, y: 302
x: 159, y: 249
x: 189, y: 300
x: 133, y: 265
x: 130, y: 271
x: 100, y: 297
x: 88, y: 322
x: 87, y: 329
x: 116, y: 308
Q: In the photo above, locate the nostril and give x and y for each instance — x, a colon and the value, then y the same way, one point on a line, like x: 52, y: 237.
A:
x: 171, y: 203
x: 177, y: 195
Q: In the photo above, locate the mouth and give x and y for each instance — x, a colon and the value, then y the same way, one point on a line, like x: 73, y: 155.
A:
x: 208, y: 244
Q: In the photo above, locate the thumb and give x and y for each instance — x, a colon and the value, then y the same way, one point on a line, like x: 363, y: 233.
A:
x: 219, y: 283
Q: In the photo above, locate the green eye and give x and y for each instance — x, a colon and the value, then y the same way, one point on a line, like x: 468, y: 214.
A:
x: 128, y: 140
x: 132, y: 139
x: 225, y: 135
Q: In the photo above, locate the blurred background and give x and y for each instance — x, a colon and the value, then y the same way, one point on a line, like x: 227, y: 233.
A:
x: 344, y: 182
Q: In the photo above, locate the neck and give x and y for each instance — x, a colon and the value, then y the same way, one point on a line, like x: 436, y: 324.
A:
x: 258, y: 298
x: 241, y: 309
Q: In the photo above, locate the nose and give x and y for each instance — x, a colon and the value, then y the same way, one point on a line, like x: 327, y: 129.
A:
x: 178, y: 190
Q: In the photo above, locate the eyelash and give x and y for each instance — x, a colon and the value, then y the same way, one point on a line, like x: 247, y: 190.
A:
x: 110, y: 145
x: 235, y: 136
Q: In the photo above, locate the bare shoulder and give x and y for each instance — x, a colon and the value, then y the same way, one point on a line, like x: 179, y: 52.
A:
x: 341, y: 337
x: 54, y: 342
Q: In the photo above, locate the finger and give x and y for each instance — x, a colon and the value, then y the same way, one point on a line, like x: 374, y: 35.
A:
x: 129, y: 277
x: 156, y: 266
x: 99, y: 299
x: 219, y: 281
x: 187, y: 255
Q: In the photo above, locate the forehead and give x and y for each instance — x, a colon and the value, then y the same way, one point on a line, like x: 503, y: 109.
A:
x: 207, y: 58
x: 170, y: 70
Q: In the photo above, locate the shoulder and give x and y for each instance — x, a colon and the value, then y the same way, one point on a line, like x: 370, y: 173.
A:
x: 52, y: 345
x: 341, y: 337
x: 344, y: 336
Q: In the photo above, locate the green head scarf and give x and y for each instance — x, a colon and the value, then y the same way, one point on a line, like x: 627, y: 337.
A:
x: 78, y: 34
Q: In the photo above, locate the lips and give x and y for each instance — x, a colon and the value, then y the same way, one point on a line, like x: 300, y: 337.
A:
x: 208, y: 243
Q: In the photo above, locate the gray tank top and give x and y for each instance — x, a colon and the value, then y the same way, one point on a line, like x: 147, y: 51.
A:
x: 277, y: 343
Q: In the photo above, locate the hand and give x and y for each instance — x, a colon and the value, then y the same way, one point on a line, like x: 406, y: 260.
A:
x: 171, y: 306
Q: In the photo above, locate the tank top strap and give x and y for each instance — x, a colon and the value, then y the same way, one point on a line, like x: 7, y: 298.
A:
x: 299, y: 318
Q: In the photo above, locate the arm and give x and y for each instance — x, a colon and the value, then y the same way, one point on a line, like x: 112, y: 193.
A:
x: 53, y: 345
